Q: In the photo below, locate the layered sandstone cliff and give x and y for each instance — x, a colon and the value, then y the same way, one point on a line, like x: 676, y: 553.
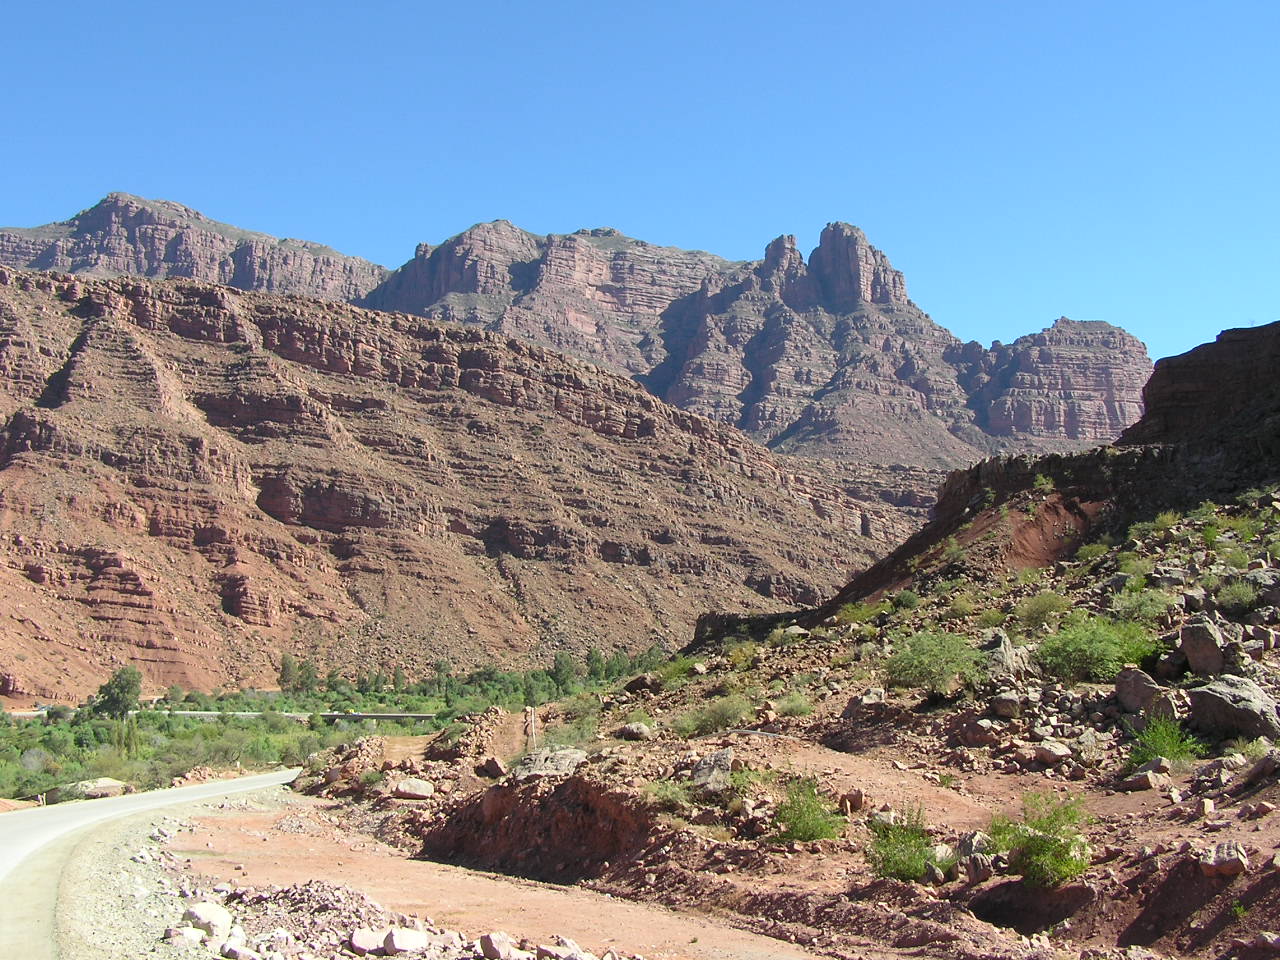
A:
x: 195, y: 479
x: 827, y: 357
x: 124, y: 234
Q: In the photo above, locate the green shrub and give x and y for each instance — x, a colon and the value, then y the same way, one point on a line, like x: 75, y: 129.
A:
x: 804, y: 815
x: 677, y: 668
x: 962, y: 606
x: 1210, y: 532
x: 1245, y: 528
x: 717, y: 715
x: 1237, y: 558
x: 938, y: 662
x: 1141, y: 530
x: 1092, y: 648
x: 1134, y: 565
x: 794, y: 705
x: 1047, y: 847
x: 1237, y: 597
x: 952, y: 552
x: 1164, y: 737
x: 991, y: 617
x: 1038, y: 610
x: 1042, y: 484
x: 1143, y: 606
x: 906, y: 600
x: 1164, y: 521
x: 1090, y: 552
x: 669, y: 795
x: 741, y: 655
x: 370, y: 777
x: 860, y: 612
x: 900, y: 849
x: 1029, y: 575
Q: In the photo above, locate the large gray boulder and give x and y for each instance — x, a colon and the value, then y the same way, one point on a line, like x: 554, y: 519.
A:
x: 1135, y: 689
x: 710, y: 775
x: 1233, y: 707
x: 1202, y: 642
x: 549, y: 763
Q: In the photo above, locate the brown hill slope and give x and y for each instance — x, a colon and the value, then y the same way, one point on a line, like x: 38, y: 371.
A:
x: 1211, y: 430
x: 194, y: 479
x: 127, y: 235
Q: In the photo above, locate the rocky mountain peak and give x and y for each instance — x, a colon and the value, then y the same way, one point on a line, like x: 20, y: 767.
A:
x: 851, y: 272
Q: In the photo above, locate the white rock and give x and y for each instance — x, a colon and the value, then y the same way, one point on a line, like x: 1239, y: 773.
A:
x: 213, y: 918
x: 404, y: 940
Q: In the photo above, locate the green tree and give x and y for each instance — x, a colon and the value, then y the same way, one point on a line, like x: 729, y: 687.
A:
x: 307, y: 677
x: 595, y: 665
x: 119, y: 695
x: 564, y: 671
x: 288, y: 673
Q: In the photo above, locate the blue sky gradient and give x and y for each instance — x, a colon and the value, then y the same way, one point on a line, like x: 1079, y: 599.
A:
x: 1017, y: 161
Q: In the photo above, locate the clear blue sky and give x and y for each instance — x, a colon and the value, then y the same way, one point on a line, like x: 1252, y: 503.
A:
x: 1018, y: 161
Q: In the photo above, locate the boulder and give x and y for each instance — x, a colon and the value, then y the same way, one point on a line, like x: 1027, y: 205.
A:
x: 213, y: 918
x: 493, y: 767
x: 184, y: 936
x: 1145, y: 780
x: 1006, y: 704
x: 1227, y: 859
x: 549, y: 763
x: 1005, y: 660
x: 1135, y: 689
x: 1167, y: 705
x: 1201, y: 641
x: 711, y: 774
x: 1051, y: 753
x: 497, y: 946
x: 1233, y: 707
x: 411, y: 788
x: 635, y: 731
x: 645, y: 682
x: 404, y: 940
x: 363, y: 940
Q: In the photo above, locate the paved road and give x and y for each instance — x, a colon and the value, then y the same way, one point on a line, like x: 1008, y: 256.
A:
x: 36, y: 843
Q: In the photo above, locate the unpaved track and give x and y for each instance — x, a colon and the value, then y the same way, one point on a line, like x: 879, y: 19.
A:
x: 467, y: 900
x: 36, y: 844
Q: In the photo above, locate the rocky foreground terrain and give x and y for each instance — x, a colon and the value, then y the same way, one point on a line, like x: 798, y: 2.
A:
x: 1044, y: 728
x: 196, y: 480
x: 826, y: 357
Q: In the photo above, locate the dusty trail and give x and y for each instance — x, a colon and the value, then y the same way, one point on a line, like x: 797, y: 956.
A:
x: 274, y: 847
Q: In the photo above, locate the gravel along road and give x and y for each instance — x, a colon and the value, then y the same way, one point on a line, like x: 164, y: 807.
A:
x: 36, y: 844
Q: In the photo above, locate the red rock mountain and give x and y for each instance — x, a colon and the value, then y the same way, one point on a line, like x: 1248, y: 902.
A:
x: 124, y: 234
x: 195, y: 479
x: 826, y: 357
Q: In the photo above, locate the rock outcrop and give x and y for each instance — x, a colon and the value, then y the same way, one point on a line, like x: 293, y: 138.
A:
x: 194, y: 479
x: 826, y: 358
x: 127, y: 235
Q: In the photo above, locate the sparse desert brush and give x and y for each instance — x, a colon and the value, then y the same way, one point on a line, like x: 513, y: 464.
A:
x: 991, y: 617
x: 805, y: 815
x: 961, y: 606
x: 668, y: 795
x: 677, y: 668
x: 1244, y: 527
x: 1144, y: 606
x: 742, y: 655
x: 1042, y: 484
x: 1047, y: 847
x: 860, y: 612
x: 1164, y: 737
x: 1091, y: 551
x: 1094, y: 648
x: 1236, y: 598
x: 900, y: 848
x: 1237, y: 558
x: 794, y: 704
x: 717, y: 715
x: 1166, y: 520
x: 906, y: 600
x: 938, y: 662
x: 1037, y: 611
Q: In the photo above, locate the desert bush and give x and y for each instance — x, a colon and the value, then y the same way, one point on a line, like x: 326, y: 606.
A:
x: 717, y: 715
x: 1029, y: 575
x: 936, y: 661
x: 991, y: 617
x: 1210, y: 532
x: 1091, y: 551
x: 952, y: 552
x: 1164, y: 737
x: 900, y: 849
x: 1237, y: 597
x: 1093, y: 648
x: 1165, y: 521
x: 668, y: 795
x: 804, y: 815
x: 1046, y: 847
x: 1254, y: 749
x: 369, y: 777
x: 741, y: 655
x: 794, y: 705
x: 1236, y: 557
x: 962, y: 606
x: 1134, y: 565
x: 677, y: 668
x: 860, y: 612
x: 1038, y: 610
x: 1042, y: 484
x: 1143, y: 606
x: 906, y: 600
x: 1244, y: 527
